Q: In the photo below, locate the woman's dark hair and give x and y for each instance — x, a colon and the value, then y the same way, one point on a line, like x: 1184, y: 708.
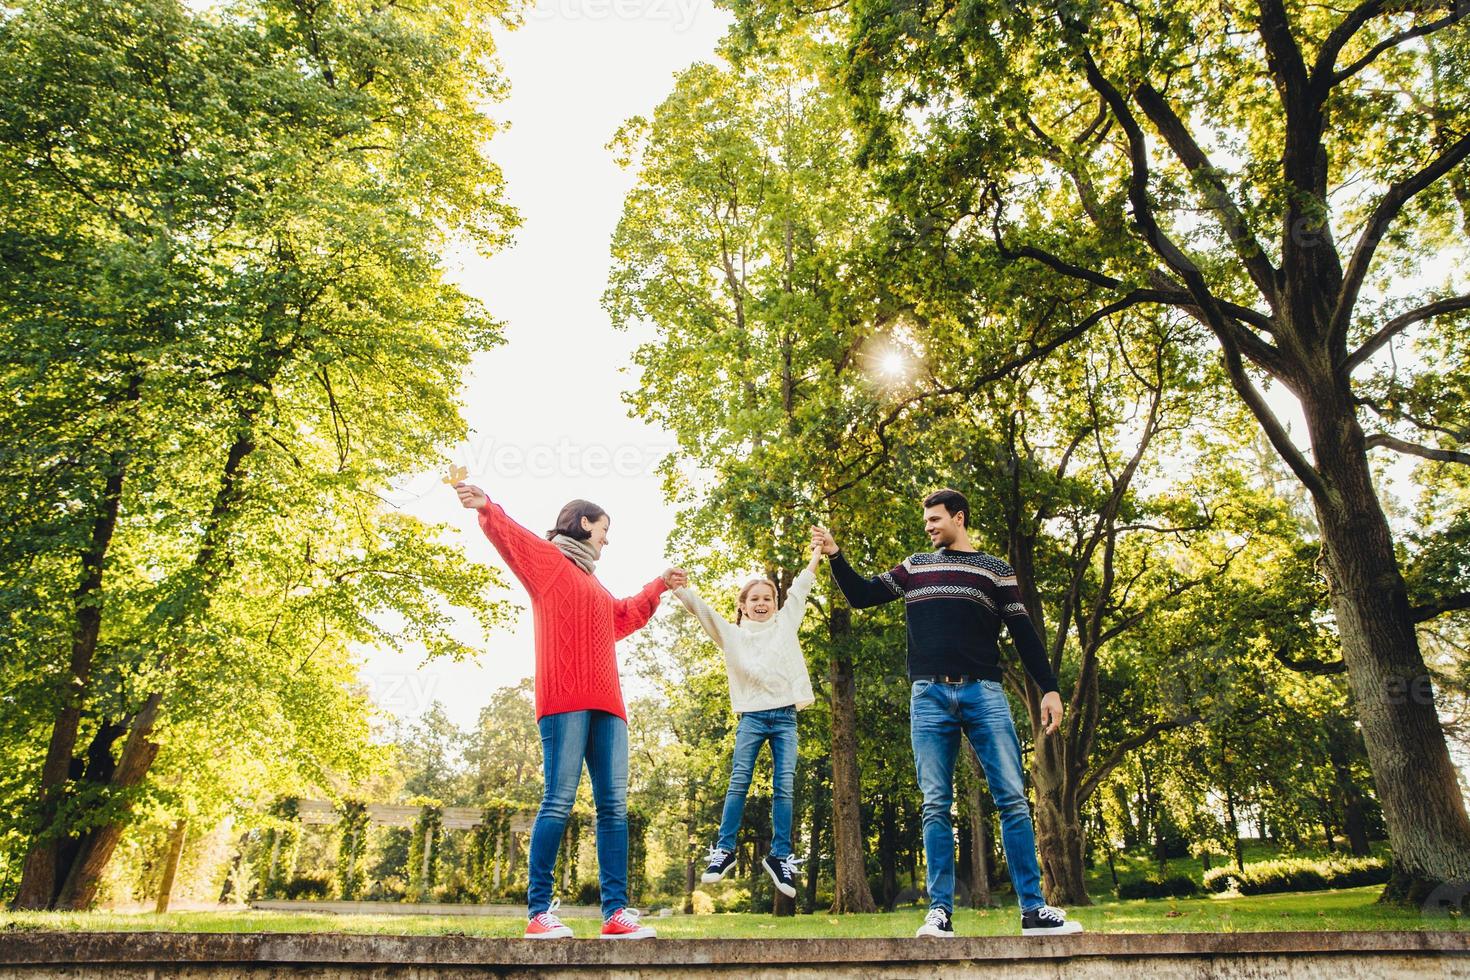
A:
x: 952, y: 500
x: 569, y: 521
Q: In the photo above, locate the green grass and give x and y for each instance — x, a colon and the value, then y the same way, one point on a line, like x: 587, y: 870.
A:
x: 1346, y: 909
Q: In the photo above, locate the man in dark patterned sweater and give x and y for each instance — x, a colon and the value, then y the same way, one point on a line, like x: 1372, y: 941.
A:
x: 955, y: 599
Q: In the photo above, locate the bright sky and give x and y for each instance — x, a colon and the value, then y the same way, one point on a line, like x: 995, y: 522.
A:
x: 545, y: 410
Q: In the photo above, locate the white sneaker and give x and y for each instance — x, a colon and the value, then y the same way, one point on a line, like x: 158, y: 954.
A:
x: 937, y: 924
x: 1048, y: 921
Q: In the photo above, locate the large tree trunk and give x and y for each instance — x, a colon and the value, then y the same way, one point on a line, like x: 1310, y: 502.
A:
x: 76, y: 864
x: 1059, y: 841
x: 95, y: 848
x: 1422, y: 804
x: 39, y: 875
x: 850, y: 891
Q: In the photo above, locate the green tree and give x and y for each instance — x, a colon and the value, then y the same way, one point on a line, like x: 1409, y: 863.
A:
x: 226, y: 332
x: 739, y: 242
x: 1277, y: 171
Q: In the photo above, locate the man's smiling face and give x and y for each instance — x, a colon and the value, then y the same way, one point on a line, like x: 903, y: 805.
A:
x: 943, y: 528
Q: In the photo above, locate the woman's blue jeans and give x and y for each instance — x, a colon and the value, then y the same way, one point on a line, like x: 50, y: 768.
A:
x: 567, y: 739
x: 777, y: 726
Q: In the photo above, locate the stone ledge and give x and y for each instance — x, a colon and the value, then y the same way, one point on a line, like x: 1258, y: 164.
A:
x: 81, y: 949
x: 421, y: 908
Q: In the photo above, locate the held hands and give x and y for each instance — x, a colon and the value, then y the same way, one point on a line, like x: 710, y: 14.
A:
x: 471, y: 497
x: 822, y: 540
x: 675, y: 578
x: 1051, y: 712
x: 811, y: 566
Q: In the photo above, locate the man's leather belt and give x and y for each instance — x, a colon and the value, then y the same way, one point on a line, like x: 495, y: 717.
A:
x: 946, y: 678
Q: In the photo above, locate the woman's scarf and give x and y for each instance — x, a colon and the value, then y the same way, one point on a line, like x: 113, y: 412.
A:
x: 580, y: 552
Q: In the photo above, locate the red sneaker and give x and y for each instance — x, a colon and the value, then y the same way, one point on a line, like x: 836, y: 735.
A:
x: 623, y: 924
x: 545, y: 925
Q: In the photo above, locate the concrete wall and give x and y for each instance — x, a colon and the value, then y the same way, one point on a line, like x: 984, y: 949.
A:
x: 136, y: 956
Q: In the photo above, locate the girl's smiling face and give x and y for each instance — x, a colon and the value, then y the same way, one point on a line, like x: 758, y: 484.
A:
x: 758, y: 603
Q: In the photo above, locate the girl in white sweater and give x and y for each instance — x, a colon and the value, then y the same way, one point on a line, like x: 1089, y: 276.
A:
x: 768, y: 685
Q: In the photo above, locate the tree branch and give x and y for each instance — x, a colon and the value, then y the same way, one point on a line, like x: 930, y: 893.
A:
x: 1115, y: 757
x: 1414, y: 449
x: 1272, y: 426
x: 1309, y: 665
x: 1394, y: 40
x: 1182, y: 142
x: 1326, y: 64
x: 1453, y: 603
x: 1172, y: 296
x: 1214, y: 317
x: 1378, y: 224
x: 1399, y: 415
x: 1399, y: 323
x: 1283, y: 55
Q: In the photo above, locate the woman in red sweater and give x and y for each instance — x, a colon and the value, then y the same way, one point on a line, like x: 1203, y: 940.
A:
x: 579, y: 702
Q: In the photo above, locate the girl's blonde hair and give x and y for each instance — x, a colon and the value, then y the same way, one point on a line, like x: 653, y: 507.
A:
x: 740, y: 603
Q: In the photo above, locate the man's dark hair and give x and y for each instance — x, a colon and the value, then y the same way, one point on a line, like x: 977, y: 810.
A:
x: 952, y: 501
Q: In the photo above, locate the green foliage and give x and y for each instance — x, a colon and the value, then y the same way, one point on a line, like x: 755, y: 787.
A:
x: 1298, y: 875
x: 1153, y: 886
x: 423, y: 848
x: 307, y: 887
x: 227, y: 331
x: 352, y: 828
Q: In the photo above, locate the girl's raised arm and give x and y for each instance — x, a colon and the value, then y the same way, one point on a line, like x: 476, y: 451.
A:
x: 795, y: 608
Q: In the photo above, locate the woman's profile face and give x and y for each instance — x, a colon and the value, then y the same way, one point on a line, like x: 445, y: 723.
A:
x: 598, y: 530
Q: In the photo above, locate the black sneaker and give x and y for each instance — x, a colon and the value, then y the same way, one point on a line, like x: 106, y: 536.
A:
x: 782, y: 872
x: 720, y: 863
x: 937, y: 924
x: 1047, y: 921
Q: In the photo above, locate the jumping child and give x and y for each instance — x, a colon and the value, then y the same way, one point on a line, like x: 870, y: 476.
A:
x: 768, y: 686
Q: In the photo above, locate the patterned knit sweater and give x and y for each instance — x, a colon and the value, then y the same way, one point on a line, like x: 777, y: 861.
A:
x: 955, y: 602
x: 577, y: 620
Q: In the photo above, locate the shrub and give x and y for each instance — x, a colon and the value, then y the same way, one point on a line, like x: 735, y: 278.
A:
x: 703, y: 904
x: 308, y: 887
x: 1219, y: 880
x: 1298, y: 875
x: 589, y: 893
x: 1152, y: 886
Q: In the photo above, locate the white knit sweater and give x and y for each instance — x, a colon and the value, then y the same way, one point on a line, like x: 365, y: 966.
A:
x: 763, y: 660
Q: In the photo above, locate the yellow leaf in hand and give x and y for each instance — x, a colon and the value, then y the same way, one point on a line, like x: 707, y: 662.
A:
x: 456, y: 474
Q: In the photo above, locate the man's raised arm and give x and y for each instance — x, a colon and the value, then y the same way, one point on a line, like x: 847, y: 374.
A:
x: 860, y: 592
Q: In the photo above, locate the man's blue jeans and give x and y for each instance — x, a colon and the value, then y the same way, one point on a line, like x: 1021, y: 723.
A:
x: 938, y: 714
x: 566, y: 740
x: 778, y: 726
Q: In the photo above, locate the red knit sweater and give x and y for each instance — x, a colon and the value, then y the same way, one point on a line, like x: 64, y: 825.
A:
x: 577, y: 620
